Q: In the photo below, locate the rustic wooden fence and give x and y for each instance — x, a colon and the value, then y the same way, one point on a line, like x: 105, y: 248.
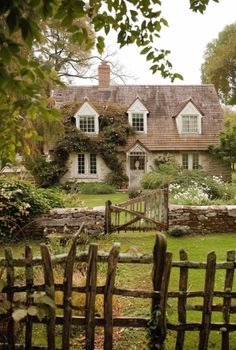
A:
x: 159, y: 294
x: 147, y: 212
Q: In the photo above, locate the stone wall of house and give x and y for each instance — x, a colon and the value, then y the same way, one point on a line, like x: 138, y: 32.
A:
x: 215, y: 167
x: 204, y: 219
x: 72, y: 173
x: 68, y: 221
x: 208, y: 163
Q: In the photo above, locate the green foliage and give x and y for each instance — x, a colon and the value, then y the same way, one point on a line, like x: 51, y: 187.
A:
x: 133, y: 193
x: 20, y: 202
x: 116, y: 179
x: 226, y: 150
x: 114, y: 131
x: 45, y: 173
x: 200, y: 5
x: 166, y: 173
x: 96, y: 188
x: 200, y: 189
x: 188, y: 187
x: 219, y: 67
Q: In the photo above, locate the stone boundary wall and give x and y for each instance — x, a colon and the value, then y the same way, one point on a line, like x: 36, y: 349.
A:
x: 204, y: 219
x: 68, y: 220
x: 196, y: 219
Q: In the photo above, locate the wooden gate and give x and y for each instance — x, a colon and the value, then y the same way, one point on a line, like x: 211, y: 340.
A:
x: 147, y: 212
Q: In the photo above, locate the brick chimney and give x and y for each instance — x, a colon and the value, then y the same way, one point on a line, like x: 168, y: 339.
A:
x: 104, y: 75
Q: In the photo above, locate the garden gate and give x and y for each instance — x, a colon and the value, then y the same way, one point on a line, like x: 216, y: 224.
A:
x: 143, y: 213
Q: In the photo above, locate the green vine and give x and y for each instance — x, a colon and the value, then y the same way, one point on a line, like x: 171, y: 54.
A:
x: 113, y: 133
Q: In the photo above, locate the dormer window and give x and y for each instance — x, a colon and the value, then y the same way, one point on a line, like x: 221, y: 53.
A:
x: 137, y: 115
x: 189, y: 123
x: 87, y: 123
x: 189, y: 119
x: 87, y: 119
x: 138, y: 121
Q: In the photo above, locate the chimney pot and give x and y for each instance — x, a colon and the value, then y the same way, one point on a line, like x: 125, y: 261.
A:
x: 104, y: 75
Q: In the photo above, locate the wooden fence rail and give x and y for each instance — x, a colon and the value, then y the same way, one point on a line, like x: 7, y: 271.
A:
x: 66, y: 314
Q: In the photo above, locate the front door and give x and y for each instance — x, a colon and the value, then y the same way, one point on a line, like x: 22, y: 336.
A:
x: 137, y: 167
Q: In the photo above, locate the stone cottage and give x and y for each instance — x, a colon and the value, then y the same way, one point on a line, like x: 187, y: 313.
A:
x: 180, y: 121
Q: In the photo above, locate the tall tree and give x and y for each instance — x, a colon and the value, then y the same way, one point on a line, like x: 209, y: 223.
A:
x: 219, y: 67
x: 23, y: 78
x: 226, y: 150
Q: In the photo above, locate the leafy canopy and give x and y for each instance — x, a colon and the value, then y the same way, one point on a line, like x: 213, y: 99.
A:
x: 226, y: 150
x: 219, y: 67
x: 24, y: 79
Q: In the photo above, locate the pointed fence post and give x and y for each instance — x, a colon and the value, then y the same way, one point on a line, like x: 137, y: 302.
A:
x: 50, y: 292
x: 10, y: 297
x: 166, y: 204
x: 108, y: 217
x: 67, y: 287
x: 159, y: 259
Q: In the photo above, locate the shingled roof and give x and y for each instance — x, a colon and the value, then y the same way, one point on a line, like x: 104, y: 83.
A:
x: 164, y: 103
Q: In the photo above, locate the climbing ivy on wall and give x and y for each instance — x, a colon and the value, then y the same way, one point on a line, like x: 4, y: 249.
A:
x: 113, y: 133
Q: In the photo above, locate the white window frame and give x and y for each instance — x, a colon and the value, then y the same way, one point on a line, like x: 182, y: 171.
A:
x: 138, y: 108
x: 87, y: 165
x: 190, y: 160
x: 189, y: 111
x: 139, y: 116
x: 86, y: 110
x: 192, y: 121
x: 86, y: 118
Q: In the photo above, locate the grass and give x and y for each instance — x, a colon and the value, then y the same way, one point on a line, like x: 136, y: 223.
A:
x: 91, y: 200
x: 139, y: 276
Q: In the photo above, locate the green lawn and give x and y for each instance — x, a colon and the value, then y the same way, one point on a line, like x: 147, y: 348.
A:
x: 91, y: 200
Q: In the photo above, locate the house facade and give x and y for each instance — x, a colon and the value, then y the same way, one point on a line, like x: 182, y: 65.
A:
x: 177, y: 121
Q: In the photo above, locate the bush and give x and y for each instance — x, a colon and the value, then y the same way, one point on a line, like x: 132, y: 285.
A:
x: 134, y: 192
x: 20, y: 201
x: 96, y: 188
x: 178, y: 231
x: 116, y: 179
x: 153, y: 180
x: 45, y: 173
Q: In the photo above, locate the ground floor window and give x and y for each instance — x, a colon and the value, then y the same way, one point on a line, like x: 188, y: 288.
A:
x: 190, y: 161
x: 87, y: 164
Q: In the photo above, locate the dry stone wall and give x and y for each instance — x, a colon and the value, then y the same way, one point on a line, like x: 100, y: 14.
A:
x: 204, y: 219
x: 197, y: 220
x: 68, y: 221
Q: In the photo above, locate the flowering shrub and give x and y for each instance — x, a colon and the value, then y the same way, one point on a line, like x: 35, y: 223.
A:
x: 191, y: 195
x: 204, y: 192
x: 19, y: 202
x: 189, y: 187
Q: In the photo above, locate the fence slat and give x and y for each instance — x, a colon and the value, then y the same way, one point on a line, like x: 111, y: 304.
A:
x: 229, y: 279
x: 29, y: 278
x: 67, y: 287
x: 91, y: 283
x: 107, y: 217
x: 10, y: 296
x: 208, y: 298
x: 183, y: 285
x: 50, y: 292
x: 108, y: 295
x: 159, y: 254
x: 164, y: 295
